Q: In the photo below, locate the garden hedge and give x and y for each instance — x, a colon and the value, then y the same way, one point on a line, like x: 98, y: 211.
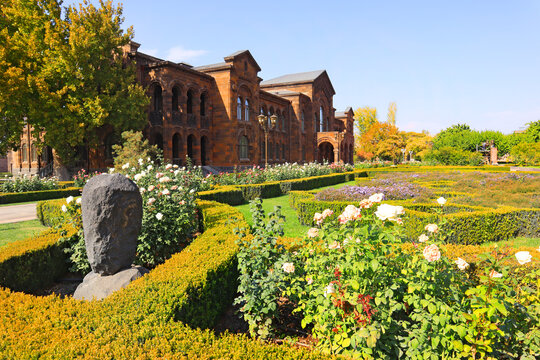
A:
x: 7, y: 198
x: 49, y: 212
x: 241, y: 194
x: 155, y: 317
x: 462, y: 224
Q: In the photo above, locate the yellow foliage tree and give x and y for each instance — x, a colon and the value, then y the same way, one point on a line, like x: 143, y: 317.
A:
x: 418, y: 143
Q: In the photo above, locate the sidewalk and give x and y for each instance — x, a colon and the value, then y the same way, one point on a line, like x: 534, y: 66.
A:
x: 17, y: 213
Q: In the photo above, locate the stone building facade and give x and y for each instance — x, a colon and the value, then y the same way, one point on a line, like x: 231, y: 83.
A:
x: 210, y: 114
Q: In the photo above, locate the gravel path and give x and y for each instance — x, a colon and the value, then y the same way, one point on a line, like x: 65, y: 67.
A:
x: 17, y: 213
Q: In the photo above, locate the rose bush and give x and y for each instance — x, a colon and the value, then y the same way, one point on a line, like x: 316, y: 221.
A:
x: 170, y: 217
x: 360, y: 294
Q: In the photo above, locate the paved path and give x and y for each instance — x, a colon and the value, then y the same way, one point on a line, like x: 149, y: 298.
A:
x: 17, y: 213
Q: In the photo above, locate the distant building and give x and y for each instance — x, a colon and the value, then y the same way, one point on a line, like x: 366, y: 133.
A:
x: 210, y: 114
x: 3, y: 164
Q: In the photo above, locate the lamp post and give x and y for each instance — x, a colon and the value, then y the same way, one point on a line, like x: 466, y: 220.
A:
x: 410, y: 155
x: 266, y: 126
x: 403, y: 152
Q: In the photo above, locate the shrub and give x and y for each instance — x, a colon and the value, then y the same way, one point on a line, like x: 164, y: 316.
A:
x: 363, y: 296
x: 25, y: 184
x: 49, y: 212
x: 8, y: 198
x: 452, y: 156
x: 134, y: 148
x: 526, y: 153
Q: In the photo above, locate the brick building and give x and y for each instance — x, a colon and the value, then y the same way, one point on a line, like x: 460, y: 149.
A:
x: 210, y: 114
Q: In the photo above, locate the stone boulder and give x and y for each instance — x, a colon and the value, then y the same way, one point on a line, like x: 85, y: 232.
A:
x: 97, y: 287
x: 112, y: 215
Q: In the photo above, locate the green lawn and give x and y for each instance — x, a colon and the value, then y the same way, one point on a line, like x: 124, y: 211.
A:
x: 20, y: 230
x: 293, y: 228
x: 517, y: 242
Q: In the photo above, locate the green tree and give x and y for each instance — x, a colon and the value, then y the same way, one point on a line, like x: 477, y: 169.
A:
x: 391, y: 117
x: 533, y: 131
x: 133, y: 148
x: 364, y: 118
x: 79, y: 82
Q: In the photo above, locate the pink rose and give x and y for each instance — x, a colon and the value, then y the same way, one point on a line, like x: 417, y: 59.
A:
x: 318, y: 218
x: 313, y: 232
x: 326, y: 213
x: 494, y: 274
x: 432, y: 253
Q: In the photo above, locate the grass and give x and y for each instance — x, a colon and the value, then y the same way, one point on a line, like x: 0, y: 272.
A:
x: 20, y: 230
x: 516, y: 242
x: 292, y: 227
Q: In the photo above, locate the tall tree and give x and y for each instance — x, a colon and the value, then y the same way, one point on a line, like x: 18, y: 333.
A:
x: 391, y: 117
x: 364, y: 117
x: 83, y: 82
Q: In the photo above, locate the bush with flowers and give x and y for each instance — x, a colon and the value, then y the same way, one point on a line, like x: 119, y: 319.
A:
x: 25, y: 183
x: 287, y: 171
x: 81, y: 178
x: 363, y: 296
x: 170, y: 218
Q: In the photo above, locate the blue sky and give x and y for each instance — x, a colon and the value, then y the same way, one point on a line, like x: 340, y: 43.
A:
x: 473, y: 62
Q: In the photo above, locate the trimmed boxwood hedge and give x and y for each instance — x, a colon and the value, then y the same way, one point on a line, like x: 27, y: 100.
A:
x: 463, y: 224
x: 49, y: 212
x: 156, y: 316
x: 241, y: 194
x: 8, y: 198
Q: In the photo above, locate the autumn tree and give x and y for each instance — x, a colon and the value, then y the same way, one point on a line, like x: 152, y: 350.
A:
x: 391, y: 117
x: 364, y: 117
x: 418, y: 143
x: 78, y: 80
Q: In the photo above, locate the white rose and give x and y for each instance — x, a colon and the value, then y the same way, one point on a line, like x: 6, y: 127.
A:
x: 389, y: 212
x: 79, y: 200
x: 288, y: 267
x: 461, y: 264
x: 149, y: 167
x: 151, y: 201
x: 125, y: 166
x: 141, y: 161
x: 69, y: 199
x: 164, y: 179
x: 137, y: 177
x: 432, y: 228
x: 423, y: 238
x: 376, y: 198
x: 441, y: 201
x: 159, y: 216
x: 169, y: 166
x: 523, y: 257
x: 176, y: 172
x: 111, y: 170
x: 191, y: 191
x: 64, y: 208
x: 495, y: 274
x: 329, y: 290
x: 166, y: 192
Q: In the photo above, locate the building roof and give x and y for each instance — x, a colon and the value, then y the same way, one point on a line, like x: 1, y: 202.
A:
x: 242, y: 52
x: 212, y: 66
x: 295, y: 78
x: 284, y: 92
x: 340, y: 114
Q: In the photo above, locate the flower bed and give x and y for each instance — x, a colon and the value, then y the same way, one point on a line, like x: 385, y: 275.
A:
x: 362, y: 290
x: 154, y: 317
x: 463, y: 224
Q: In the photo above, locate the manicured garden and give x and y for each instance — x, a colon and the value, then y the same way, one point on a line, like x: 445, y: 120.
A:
x: 368, y: 278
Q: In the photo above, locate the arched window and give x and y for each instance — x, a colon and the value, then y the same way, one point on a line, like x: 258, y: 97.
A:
x: 303, y: 121
x: 174, y: 101
x: 321, y: 119
x: 202, y: 109
x: 176, y: 146
x: 158, y: 99
x: 239, y: 108
x: 270, y: 113
x: 189, y: 107
x: 33, y: 153
x: 316, y: 122
x: 246, y: 110
x: 243, y: 148
x: 24, y: 151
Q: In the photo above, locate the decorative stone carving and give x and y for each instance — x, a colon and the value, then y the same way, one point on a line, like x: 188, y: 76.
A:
x: 112, y: 215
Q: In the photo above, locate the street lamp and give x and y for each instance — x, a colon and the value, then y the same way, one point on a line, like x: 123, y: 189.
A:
x: 403, y: 152
x: 410, y: 155
x: 267, y: 125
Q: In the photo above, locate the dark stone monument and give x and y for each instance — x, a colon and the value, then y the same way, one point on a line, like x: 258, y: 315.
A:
x: 112, y: 215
